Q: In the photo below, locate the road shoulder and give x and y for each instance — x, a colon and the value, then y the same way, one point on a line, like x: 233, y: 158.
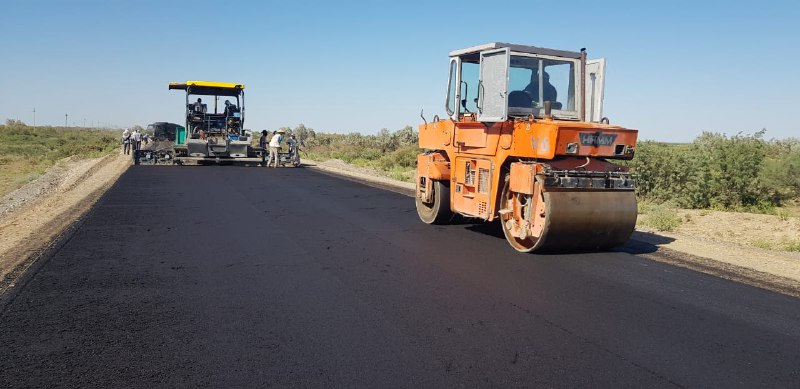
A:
x: 768, y: 269
x: 40, y: 218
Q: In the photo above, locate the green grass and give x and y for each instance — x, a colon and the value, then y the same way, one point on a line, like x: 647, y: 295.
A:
x: 26, y: 153
x: 661, y: 217
x: 792, y: 246
x: 762, y: 244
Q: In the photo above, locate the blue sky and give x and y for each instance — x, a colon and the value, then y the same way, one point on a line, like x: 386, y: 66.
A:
x: 675, y: 68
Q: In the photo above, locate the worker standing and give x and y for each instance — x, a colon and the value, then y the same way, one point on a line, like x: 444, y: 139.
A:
x: 294, y: 150
x: 263, y: 142
x: 126, y: 142
x: 136, y: 137
x: 275, y: 147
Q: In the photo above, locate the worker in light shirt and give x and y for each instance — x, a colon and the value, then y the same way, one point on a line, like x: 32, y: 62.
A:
x: 275, y: 147
x: 126, y: 142
x: 136, y: 137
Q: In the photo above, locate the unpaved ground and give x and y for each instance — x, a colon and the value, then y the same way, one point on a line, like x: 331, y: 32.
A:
x: 756, y: 230
x: 752, y: 241
x: 33, y: 216
x: 337, y: 166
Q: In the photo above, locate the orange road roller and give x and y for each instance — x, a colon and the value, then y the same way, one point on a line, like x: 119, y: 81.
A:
x: 525, y: 142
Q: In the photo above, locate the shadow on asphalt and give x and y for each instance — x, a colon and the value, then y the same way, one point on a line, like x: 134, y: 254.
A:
x: 639, y: 242
x: 643, y: 243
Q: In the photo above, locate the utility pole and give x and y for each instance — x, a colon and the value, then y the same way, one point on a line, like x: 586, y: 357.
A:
x: 84, y: 122
x: 34, y: 120
x: 66, y: 116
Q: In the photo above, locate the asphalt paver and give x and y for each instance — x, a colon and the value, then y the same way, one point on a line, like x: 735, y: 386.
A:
x: 224, y: 276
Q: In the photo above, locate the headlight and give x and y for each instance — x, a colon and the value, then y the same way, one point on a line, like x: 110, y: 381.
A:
x: 572, y: 148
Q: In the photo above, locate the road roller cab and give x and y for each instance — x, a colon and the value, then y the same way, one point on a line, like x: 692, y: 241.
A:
x: 525, y: 142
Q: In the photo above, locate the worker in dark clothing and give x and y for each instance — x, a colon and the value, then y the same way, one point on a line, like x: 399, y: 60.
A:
x: 550, y: 93
x: 263, y: 143
x: 198, y: 106
x: 230, y: 109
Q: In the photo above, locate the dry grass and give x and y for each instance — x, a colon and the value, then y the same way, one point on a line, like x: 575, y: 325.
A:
x: 26, y: 153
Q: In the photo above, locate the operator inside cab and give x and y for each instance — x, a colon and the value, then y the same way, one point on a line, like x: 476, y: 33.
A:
x: 532, y: 81
x: 230, y: 109
x: 199, y: 107
x: 550, y: 93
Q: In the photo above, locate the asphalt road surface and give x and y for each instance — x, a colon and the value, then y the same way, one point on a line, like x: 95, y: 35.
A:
x: 233, y: 276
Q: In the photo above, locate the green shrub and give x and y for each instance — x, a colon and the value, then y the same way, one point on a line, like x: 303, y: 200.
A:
x: 716, y: 171
x: 741, y: 172
x: 792, y: 246
x: 404, y: 157
x: 661, y: 217
x: 392, y: 153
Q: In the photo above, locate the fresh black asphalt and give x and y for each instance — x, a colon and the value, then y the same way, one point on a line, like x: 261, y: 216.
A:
x: 254, y: 277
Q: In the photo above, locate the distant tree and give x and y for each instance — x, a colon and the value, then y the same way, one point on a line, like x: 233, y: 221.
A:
x: 406, y: 136
x: 15, y: 123
x: 386, y: 140
x: 303, y: 133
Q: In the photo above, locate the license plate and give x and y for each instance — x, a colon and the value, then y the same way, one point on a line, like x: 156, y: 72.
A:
x: 597, y: 139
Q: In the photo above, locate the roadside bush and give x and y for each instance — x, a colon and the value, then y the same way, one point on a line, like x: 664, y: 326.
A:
x: 405, y: 157
x: 662, y: 217
x: 741, y: 172
x: 393, y: 153
x: 780, y: 171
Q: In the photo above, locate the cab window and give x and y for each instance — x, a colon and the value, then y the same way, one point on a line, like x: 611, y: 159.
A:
x: 530, y: 88
x: 469, y: 87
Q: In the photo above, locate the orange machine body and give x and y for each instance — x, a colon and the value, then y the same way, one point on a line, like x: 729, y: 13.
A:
x: 470, y: 155
x: 525, y: 142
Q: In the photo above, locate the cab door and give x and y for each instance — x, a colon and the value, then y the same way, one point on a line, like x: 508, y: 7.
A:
x: 595, y: 85
x: 493, y: 85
